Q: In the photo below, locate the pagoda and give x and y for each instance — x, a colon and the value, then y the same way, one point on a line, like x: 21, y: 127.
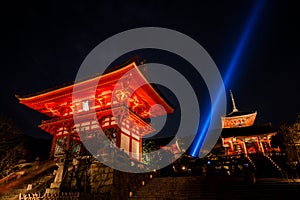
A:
x: 238, y: 118
x: 116, y: 91
x: 240, y: 135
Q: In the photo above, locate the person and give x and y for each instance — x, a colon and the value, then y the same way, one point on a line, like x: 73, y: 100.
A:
x: 249, y: 174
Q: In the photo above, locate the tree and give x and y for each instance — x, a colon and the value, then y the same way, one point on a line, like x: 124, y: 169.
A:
x: 12, y: 148
x: 148, y: 147
x: 279, y: 139
x: 293, y: 141
x: 288, y: 139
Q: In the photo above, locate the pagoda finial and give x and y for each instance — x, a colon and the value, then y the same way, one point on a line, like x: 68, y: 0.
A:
x: 233, y: 103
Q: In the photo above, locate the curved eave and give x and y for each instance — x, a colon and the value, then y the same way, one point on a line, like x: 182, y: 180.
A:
x: 240, y: 116
x: 64, y: 93
x: 60, y: 91
x: 87, y: 79
x: 255, y: 130
x: 158, y: 99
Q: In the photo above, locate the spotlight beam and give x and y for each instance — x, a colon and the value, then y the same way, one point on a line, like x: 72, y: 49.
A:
x: 201, y: 134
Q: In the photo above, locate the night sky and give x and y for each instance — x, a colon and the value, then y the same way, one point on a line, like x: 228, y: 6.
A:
x: 44, y: 45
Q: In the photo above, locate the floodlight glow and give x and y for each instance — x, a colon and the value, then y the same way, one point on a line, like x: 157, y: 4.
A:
x: 201, y: 134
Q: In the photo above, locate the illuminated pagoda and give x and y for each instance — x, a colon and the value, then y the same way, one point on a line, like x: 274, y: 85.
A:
x: 241, y: 136
x: 238, y: 118
x: 115, y: 92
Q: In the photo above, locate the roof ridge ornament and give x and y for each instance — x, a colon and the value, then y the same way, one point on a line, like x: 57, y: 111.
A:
x: 233, y: 102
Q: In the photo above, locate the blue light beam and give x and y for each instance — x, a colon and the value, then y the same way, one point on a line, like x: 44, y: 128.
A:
x: 201, y: 134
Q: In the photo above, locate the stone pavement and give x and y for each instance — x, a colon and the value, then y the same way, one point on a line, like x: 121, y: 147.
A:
x: 222, y: 188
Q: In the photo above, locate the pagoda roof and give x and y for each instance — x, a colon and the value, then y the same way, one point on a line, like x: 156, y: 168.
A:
x: 235, y: 112
x: 239, y: 113
x: 57, y: 101
x: 58, y: 87
x: 248, y: 131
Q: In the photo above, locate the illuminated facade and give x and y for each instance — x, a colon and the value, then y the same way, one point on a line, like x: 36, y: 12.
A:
x: 117, y: 104
x: 240, y: 135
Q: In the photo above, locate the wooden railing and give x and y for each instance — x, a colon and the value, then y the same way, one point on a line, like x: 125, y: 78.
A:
x: 15, y: 181
x: 64, y: 196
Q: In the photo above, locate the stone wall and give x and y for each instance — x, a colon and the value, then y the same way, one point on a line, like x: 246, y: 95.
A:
x: 93, y: 177
x: 100, y: 178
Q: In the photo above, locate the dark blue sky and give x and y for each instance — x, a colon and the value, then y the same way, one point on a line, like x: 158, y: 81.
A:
x: 44, y: 45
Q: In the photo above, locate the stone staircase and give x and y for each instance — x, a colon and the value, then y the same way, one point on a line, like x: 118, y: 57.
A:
x: 213, y: 187
x: 266, y: 167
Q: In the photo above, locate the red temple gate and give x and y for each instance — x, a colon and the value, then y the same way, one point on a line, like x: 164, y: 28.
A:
x: 118, y: 105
